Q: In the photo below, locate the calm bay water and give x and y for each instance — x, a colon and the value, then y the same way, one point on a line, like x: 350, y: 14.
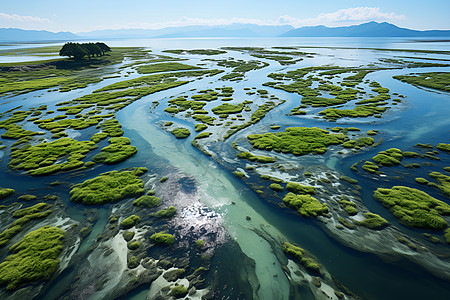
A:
x: 422, y: 118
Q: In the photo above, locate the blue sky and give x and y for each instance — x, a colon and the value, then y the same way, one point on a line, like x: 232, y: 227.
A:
x: 83, y: 15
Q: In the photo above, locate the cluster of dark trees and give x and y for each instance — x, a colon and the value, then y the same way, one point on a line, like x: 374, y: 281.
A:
x: 78, y: 51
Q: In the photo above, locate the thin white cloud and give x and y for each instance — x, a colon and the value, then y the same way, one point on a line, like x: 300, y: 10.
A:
x: 350, y: 14
x: 346, y: 16
x: 22, y: 19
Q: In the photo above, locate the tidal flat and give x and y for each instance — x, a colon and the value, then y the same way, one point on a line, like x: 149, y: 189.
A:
x: 212, y: 170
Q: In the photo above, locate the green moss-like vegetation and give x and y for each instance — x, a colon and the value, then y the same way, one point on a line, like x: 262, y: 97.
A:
x: 162, y: 238
x: 128, y: 235
x: 227, y: 108
x: 360, y: 111
x: 348, y: 179
x: 200, y: 243
x: 413, y: 207
x: 164, y: 67
x: 109, y: 187
x: 181, y: 133
x: 251, y: 157
x: 420, y: 180
x: 118, y: 151
x: 200, y: 127
x: 167, y: 213
x: 434, y: 80
x: 238, y: 174
x: 133, y: 245
x: 373, y: 221
x: 34, y: 258
x: 179, y: 291
x: 276, y: 187
x: 370, y: 167
x: 25, y: 215
x: 389, y: 157
x: 443, y: 147
x: 306, y: 205
x: 130, y: 221
x: 447, y: 235
x: 39, y: 159
x: 409, y: 154
x: 347, y: 223
x: 348, y: 206
x: 14, y: 131
x: 163, y: 179
x: 300, y: 256
x: 359, y: 143
x: 202, y: 135
x: 443, y: 182
x: 300, y: 188
x: 296, y: 140
x: 147, y: 201
x: 5, y: 192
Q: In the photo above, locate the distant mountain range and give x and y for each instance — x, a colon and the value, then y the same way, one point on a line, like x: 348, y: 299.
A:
x: 20, y: 35
x: 370, y: 29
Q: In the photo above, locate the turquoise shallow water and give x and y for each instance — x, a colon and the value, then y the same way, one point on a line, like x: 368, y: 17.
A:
x: 422, y: 117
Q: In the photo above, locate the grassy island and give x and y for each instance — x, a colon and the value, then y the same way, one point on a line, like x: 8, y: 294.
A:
x: 414, y: 207
x: 34, y: 258
x: 40, y: 159
x: 109, y: 187
x: 162, y: 238
x: 435, y: 80
x: 118, y: 150
x: 306, y: 205
x: 296, y: 140
x: 181, y: 133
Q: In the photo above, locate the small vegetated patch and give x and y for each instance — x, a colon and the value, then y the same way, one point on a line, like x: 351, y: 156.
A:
x: 373, y: 221
x: 164, y: 67
x: 147, y: 201
x: 300, y: 188
x: 40, y: 159
x: 389, y: 157
x: 251, y: 157
x: 276, y: 187
x: 25, y: 215
x: 167, y: 213
x: 118, y: 151
x: 413, y: 207
x: 130, y: 221
x: 181, y: 133
x: 109, y: 187
x: 5, y: 192
x: 203, y: 135
x: 306, y: 205
x: 162, y: 238
x: 301, y: 257
x: 238, y: 174
x: 348, y: 206
x: 297, y: 140
x: 200, y: 127
x: 227, y: 108
x: 35, y: 257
